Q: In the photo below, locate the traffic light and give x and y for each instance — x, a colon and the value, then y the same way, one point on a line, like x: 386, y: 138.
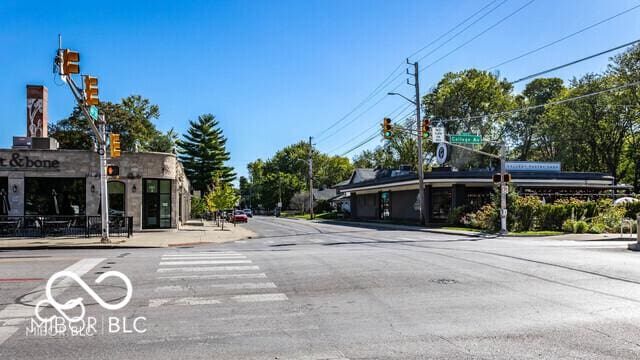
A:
x: 386, y: 128
x: 70, y: 60
x: 113, y: 170
x: 496, y: 178
x: 91, y: 90
x: 426, y: 128
x: 115, y: 145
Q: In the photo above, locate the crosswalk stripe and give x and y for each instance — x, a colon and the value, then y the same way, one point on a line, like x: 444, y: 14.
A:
x: 260, y: 297
x: 240, y: 286
x: 210, y: 268
x: 200, y: 255
x: 205, y: 258
x: 317, y: 241
x: 204, y: 262
x: 216, y: 276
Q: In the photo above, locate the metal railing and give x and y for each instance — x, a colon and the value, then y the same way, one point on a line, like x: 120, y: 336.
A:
x: 63, y: 226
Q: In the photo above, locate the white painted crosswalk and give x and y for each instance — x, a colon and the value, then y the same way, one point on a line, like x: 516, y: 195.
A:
x: 232, y: 278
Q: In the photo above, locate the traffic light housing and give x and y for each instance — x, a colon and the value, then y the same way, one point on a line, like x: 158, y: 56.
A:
x: 496, y: 178
x: 113, y: 170
x: 426, y: 128
x: 70, y: 60
x: 115, y: 145
x: 91, y: 90
x: 386, y: 128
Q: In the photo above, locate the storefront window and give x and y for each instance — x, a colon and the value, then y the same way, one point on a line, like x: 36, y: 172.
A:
x: 440, y: 204
x: 54, y: 196
x: 4, y: 196
x: 116, y: 191
x: 156, y: 203
x: 385, y: 205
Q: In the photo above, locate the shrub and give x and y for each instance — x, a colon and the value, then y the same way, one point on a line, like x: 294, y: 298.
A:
x: 610, y: 218
x: 527, y: 209
x: 456, y: 215
x: 569, y: 226
x: 581, y: 226
x: 486, y: 218
x: 597, y: 228
x: 198, y: 207
x: 632, y: 210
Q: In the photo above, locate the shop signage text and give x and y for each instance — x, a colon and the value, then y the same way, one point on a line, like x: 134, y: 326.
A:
x: 25, y: 162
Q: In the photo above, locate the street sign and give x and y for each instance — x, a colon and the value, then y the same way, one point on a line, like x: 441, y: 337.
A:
x: 438, y: 134
x: 93, y: 111
x: 466, y: 139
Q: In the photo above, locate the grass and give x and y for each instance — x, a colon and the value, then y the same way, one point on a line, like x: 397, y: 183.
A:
x: 538, y: 232
x: 461, y: 228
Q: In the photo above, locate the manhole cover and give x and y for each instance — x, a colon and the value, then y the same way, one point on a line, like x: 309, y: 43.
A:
x: 444, y: 281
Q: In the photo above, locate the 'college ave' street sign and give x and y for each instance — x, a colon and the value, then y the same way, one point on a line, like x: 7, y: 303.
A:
x: 465, y: 139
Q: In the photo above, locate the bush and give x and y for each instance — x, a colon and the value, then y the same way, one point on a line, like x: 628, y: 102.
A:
x: 569, y: 226
x: 322, y: 206
x: 581, y: 226
x: 597, y: 228
x: 456, y: 215
x: 198, y: 207
x: 610, y: 219
x: 527, y: 209
x: 632, y: 210
x: 486, y: 218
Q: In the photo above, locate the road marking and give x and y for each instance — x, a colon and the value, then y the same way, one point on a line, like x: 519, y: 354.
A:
x: 317, y: 241
x: 260, y: 297
x: 241, y: 241
x: 269, y: 242
x: 200, y: 255
x: 21, y: 311
x: 210, y: 268
x: 21, y: 279
x: 216, y: 276
x: 205, y: 258
x: 204, y: 262
x: 240, y: 286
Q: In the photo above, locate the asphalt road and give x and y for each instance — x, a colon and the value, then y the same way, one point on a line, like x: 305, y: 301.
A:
x: 304, y: 290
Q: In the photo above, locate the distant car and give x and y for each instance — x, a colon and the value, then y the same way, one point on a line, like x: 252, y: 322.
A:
x: 248, y: 212
x: 240, y: 216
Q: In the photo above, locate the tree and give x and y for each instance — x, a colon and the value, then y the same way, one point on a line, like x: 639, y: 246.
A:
x: 222, y: 197
x: 203, y: 153
x: 132, y: 118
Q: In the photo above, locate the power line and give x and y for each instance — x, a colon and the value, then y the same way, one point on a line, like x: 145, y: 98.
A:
x: 563, y: 38
x: 575, y: 62
x: 480, y: 34
x: 389, y: 78
x: 558, y: 102
x: 461, y: 31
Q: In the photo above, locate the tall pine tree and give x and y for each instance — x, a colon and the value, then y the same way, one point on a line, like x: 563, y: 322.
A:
x: 203, y: 153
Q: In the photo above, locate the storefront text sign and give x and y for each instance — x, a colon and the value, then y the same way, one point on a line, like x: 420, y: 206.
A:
x: 26, y: 162
x: 533, y: 166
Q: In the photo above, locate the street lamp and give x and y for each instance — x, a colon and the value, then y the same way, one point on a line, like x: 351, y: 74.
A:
x: 419, y: 143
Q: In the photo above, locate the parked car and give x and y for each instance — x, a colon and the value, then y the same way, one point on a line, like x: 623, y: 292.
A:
x: 240, y: 216
x: 248, y: 212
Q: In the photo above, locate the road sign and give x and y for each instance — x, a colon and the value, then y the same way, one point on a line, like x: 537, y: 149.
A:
x: 93, y: 111
x: 466, y: 139
x: 438, y: 134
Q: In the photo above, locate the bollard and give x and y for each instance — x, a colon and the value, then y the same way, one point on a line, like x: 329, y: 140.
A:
x: 636, y: 246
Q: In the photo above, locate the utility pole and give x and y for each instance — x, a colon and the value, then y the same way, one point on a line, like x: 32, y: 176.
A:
x: 310, y: 178
x: 416, y: 84
x: 503, y: 189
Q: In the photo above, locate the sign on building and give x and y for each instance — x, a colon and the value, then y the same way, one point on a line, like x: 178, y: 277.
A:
x: 532, y: 166
x: 442, y: 153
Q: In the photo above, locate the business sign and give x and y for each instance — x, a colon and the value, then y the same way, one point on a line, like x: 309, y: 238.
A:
x: 25, y: 163
x: 438, y: 134
x: 466, y: 139
x: 532, y: 166
x: 442, y: 153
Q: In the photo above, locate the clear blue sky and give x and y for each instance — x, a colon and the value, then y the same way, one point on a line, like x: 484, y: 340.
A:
x: 276, y: 72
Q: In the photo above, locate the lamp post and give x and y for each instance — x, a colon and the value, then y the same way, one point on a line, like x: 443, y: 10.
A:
x: 419, y: 143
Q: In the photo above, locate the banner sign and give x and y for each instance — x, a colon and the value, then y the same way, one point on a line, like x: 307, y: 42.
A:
x: 532, y: 166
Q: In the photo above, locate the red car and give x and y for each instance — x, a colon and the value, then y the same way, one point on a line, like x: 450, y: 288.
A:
x: 240, y: 216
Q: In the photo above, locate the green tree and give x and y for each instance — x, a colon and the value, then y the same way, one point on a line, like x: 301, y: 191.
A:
x: 203, y: 153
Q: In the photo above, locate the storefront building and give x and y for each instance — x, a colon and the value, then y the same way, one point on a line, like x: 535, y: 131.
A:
x: 393, y: 194
x: 39, y: 179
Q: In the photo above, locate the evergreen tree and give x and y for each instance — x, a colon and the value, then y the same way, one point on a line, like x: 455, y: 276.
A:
x: 203, y: 153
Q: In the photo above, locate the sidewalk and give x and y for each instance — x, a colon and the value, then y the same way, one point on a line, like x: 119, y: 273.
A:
x: 571, y: 237
x: 187, y: 235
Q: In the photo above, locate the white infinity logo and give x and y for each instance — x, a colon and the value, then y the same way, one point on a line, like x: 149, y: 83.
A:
x: 78, y: 301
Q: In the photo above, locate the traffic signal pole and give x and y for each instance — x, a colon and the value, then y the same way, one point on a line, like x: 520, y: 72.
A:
x: 503, y: 190
x: 310, y: 178
x: 104, y: 199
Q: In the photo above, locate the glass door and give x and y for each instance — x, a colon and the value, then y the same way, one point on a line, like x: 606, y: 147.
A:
x: 156, y: 204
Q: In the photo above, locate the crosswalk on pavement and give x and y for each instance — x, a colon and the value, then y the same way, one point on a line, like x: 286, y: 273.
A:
x: 209, y: 278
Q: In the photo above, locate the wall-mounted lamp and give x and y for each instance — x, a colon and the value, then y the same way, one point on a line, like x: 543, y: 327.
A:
x: 93, y: 188
x: 15, y: 188
x: 134, y: 188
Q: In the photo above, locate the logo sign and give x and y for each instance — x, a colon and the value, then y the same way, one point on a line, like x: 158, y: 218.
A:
x: 93, y: 111
x: 438, y: 134
x: 442, y: 153
x: 466, y: 139
x: 532, y: 166
x: 64, y: 324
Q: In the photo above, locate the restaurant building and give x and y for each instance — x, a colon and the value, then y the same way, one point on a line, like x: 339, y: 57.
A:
x: 38, y: 178
x: 382, y: 194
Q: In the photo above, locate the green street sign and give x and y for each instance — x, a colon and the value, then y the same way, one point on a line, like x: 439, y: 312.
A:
x: 93, y: 111
x: 466, y: 139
